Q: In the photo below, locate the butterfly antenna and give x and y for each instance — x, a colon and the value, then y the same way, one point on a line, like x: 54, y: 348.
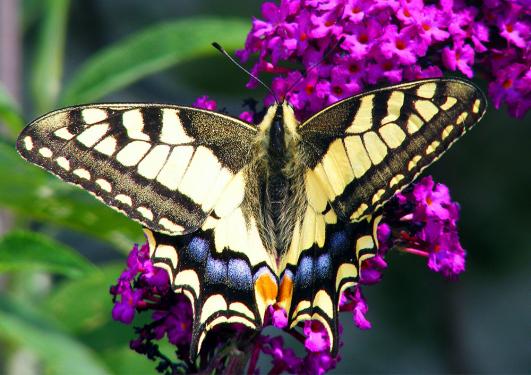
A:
x: 315, y: 65
x: 222, y: 50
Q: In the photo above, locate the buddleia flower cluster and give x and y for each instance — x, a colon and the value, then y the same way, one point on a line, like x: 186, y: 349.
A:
x: 390, y: 42
x: 318, y: 52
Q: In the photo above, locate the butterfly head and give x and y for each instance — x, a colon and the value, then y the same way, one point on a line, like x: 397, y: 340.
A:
x: 278, y: 124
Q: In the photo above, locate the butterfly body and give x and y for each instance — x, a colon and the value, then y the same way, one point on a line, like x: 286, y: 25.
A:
x: 243, y: 217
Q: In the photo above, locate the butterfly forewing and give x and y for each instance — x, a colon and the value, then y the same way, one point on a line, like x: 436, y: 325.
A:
x: 364, y: 149
x: 163, y: 166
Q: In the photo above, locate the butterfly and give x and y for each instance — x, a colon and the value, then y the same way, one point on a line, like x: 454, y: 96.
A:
x: 242, y: 216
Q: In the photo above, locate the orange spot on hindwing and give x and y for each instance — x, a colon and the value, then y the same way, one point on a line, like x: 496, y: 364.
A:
x: 266, y: 290
x: 286, y: 291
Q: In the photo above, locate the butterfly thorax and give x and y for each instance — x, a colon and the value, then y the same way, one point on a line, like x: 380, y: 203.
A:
x: 276, y: 188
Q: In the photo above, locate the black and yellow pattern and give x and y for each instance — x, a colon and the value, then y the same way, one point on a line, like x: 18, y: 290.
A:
x: 242, y: 217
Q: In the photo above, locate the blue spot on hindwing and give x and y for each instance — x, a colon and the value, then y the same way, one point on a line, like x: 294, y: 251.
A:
x: 303, y: 276
x: 198, y: 249
x: 239, y: 274
x: 323, y: 267
x: 216, y: 271
x: 339, y: 243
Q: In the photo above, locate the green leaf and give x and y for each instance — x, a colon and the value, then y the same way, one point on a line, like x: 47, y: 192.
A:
x: 150, y: 51
x: 126, y: 361
x: 48, y: 63
x: 27, y: 251
x: 35, y: 194
x: 85, y: 304
x: 9, y: 112
x: 59, y: 352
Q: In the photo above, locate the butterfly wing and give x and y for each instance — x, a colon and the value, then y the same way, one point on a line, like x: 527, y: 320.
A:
x: 364, y: 149
x: 359, y: 153
x: 163, y: 166
x: 180, y: 172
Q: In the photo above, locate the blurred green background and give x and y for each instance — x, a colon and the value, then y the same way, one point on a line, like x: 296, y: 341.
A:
x: 61, y: 249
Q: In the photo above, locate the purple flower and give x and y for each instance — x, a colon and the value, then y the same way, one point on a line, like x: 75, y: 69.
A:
x: 423, y: 221
x: 176, y: 322
x: 400, y: 45
x: 246, y: 116
x: 284, y: 359
x: 124, y: 310
x: 316, y: 336
x: 204, y: 102
x: 278, y: 316
x: 459, y: 57
x: 319, y: 363
x: 431, y: 25
x: 352, y: 300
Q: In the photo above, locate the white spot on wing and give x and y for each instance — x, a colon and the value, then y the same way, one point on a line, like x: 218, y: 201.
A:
x: 63, y: 163
x: 394, y: 105
x: 212, y: 304
x: 426, y: 109
x: 93, y: 134
x: 476, y: 105
x: 414, y: 123
x: 132, y: 153
x: 63, y: 133
x: 392, y: 134
x: 28, y: 143
x: 104, y: 184
x: 375, y: 147
x: 364, y: 242
x: 107, y: 146
x: 172, y: 131
x: 190, y: 279
x: 146, y: 212
x: 150, y: 166
x: 125, y: 199
x: 324, y: 302
x: 359, y: 160
x: 449, y: 103
x: 171, y: 174
x: 46, y: 152
x: 200, y: 174
x: 427, y: 90
x: 93, y: 115
x: 363, y: 118
x: 171, y: 226
x: 82, y: 173
x: 337, y: 166
x: 134, y: 124
x: 167, y: 252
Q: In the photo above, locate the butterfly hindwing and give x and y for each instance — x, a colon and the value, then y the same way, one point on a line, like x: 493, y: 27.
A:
x: 323, y: 272
x: 364, y: 149
x: 163, y: 166
x: 220, y: 285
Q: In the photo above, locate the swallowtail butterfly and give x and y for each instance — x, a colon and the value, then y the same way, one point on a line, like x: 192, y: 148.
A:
x: 244, y: 216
